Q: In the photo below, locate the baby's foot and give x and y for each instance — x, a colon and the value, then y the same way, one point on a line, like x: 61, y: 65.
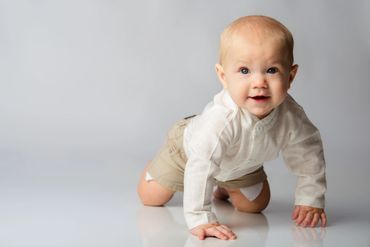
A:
x: 221, y: 194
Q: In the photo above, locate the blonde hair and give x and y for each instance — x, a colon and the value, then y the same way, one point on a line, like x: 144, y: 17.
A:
x: 257, y: 25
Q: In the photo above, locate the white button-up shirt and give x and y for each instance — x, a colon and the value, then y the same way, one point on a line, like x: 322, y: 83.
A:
x: 226, y: 142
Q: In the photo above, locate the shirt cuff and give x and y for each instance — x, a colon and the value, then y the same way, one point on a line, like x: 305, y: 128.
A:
x: 307, y: 201
x: 195, y: 219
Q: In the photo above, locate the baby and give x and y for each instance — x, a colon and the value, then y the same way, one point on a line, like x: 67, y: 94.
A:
x: 249, y: 122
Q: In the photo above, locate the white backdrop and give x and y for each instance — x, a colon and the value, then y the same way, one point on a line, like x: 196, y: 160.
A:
x: 95, y: 79
x: 88, y: 89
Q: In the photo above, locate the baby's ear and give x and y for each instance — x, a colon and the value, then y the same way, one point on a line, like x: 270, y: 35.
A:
x: 292, y: 73
x: 221, y: 75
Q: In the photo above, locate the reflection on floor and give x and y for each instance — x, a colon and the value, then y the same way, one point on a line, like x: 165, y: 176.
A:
x: 165, y: 226
x: 94, y: 203
x: 349, y: 220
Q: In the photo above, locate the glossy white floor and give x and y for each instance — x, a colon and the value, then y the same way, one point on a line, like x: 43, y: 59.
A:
x: 94, y: 203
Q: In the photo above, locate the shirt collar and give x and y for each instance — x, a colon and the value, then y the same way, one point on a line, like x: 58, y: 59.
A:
x: 266, y: 122
x: 228, y: 101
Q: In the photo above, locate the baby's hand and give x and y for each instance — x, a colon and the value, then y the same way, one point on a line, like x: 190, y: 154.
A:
x: 213, y: 230
x: 308, y: 216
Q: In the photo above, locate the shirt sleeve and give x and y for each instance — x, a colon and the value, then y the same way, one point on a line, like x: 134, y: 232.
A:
x: 209, y: 141
x: 304, y: 156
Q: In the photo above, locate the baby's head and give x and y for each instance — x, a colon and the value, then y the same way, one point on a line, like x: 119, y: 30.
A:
x: 256, y: 28
x: 256, y: 63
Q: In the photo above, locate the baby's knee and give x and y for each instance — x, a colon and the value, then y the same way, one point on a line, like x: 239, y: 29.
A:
x: 150, y: 202
x: 250, y: 207
x: 253, y: 199
x: 148, y: 198
x: 151, y: 193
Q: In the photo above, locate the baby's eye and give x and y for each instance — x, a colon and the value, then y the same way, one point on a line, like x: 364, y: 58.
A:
x: 244, y: 70
x: 272, y: 70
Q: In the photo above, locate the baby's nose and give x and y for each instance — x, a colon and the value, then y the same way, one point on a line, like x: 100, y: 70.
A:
x: 259, y: 81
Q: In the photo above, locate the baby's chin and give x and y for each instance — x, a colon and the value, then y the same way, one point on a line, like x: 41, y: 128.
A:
x: 262, y: 115
x: 258, y: 114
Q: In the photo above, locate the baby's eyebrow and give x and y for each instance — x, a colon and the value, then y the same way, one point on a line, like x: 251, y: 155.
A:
x: 241, y: 64
x: 276, y: 61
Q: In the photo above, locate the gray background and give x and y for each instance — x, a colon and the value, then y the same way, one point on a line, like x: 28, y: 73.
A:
x: 89, y: 88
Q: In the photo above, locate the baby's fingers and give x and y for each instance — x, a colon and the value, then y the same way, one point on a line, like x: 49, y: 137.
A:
x: 315, y: 220
x: 308, y: 219
x: 201, y: 234
x: 295, y: 213
x: 323, y: 219
x: 217, y: 232
x: 213, y: 230
x: 301, y: 217
x: 227, y: 231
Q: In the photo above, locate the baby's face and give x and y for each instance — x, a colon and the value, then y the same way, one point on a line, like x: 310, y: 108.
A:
x: 257, y: 74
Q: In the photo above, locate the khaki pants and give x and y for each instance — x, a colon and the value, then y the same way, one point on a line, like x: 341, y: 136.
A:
x: 167, y: 168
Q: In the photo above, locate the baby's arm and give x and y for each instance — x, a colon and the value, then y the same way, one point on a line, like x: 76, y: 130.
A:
x: 205, y: 150
x: 197, y: 206
x: 307, y: 216
x: 305, y: 158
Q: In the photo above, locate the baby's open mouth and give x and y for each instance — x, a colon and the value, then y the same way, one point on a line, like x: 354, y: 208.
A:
x: 260, y: 97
